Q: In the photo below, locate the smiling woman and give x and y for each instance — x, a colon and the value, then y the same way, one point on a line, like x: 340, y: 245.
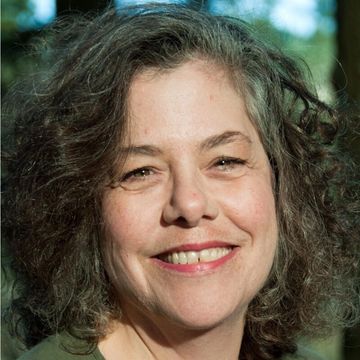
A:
x: 174, y: 193
x: 210, y: 214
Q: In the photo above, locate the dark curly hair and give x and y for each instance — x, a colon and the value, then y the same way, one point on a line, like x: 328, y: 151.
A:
x: 67, y: 133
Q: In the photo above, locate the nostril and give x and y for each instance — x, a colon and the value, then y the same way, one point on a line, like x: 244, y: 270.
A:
x: 183, y: 222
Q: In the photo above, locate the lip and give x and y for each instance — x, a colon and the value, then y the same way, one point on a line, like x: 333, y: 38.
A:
x: 197, y: 247
x: 199, y: 268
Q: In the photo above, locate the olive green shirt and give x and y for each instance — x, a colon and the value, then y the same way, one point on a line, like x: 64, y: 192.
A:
x: 53, y: 348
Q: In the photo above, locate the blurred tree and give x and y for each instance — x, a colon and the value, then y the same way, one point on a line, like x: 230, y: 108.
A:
x: 347, y: 73
x: 13, y: 41
x: 10, y: 14
x: 66, y: 6
x: 347, y: 82
x: 348, y: 41
x: 352, y: 344
x: 18, y: 31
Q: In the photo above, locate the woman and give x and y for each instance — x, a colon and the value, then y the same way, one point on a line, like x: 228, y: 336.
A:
x: 175, y: 193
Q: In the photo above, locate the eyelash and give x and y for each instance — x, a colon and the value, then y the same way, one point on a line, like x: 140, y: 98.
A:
x: 132, y: 174
x: 228, y: 163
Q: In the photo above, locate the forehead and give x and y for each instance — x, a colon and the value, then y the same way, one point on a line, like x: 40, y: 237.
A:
x: 197, y: 98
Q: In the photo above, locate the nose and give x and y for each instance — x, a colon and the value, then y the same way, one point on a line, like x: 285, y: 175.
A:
x: 188, y: 203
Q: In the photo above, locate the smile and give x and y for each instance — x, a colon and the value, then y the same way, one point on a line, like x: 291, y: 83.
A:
x: 194, y: 257
x: 189, y: 259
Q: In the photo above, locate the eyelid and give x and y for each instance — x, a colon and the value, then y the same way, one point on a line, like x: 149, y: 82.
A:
x: 128, y: 175
x: 231, y: 159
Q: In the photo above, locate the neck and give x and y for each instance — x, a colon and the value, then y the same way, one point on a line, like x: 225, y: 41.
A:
x: 137, y: 336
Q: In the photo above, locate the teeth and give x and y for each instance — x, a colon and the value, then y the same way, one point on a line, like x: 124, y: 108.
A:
x: 193, y: 257
x: 182, y: 258
x: 205, y: 255
x: 174, y: 257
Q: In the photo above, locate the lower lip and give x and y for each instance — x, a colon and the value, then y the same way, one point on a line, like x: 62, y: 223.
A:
x: 199, y: 267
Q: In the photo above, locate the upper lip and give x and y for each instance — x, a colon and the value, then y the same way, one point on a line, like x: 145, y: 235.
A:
x: 197, y: 247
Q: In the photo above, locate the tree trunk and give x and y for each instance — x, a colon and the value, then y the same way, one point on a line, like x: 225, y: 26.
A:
x: 347, y: 83
x: 347, y: 78
x: 347, y: 75
x: 352, y: 344
x: 66, y: 6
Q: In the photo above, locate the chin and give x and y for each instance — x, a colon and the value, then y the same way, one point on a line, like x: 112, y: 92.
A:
x: 201, y: 315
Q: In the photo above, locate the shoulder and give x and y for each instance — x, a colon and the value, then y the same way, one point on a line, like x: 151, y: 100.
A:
x: 53, y: 348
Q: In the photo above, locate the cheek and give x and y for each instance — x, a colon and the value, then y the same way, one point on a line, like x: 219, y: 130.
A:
x: 252, y: 210
x: 125, y: 224
x: 250, y: 205
x: 261, y: 206
x: 122, y: 239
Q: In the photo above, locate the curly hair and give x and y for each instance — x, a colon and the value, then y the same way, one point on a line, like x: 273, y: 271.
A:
x: 67, y: 134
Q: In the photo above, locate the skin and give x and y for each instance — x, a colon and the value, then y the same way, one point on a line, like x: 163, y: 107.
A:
x: 187, y: 127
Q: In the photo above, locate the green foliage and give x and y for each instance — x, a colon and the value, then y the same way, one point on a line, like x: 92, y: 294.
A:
x: 12, y: 11
x: 15, y: 62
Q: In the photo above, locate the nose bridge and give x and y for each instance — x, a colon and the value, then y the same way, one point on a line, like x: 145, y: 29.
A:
x: 188, y: 199
x: 188, y: 194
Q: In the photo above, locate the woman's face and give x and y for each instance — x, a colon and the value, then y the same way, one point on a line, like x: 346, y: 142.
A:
x: 191, y: 228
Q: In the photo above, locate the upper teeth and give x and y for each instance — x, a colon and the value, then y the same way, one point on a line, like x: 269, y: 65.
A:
x: 193, y: 257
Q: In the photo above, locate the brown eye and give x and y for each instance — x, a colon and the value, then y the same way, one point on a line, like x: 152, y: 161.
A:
x: 228, y: 163
x: 137, y: 174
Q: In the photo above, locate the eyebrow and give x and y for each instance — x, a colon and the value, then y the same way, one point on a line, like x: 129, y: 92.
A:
x: 225, y: 138
x: 149, y: 150
x: 211, y: 142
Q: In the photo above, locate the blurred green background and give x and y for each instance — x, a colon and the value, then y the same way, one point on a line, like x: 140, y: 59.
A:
x: 325, y: 33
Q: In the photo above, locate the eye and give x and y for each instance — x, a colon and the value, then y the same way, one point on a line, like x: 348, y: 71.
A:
x: 139, y: 174
x: 228, y: 163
